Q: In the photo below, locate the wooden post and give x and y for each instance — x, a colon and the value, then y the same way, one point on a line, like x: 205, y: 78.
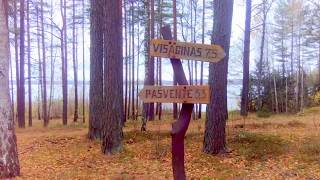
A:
x: 179, y: 127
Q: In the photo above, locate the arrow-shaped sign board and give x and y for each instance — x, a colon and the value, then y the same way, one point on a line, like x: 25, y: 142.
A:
x: 182, y: 50
x: 176, y: 94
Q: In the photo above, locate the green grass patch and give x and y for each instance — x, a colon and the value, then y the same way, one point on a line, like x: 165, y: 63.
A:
x: 263, y: 114
x: 310, y: 150
x: 256, y: 146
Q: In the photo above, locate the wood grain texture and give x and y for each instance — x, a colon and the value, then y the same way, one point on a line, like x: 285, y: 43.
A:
x: 176, y: 94
x: 183, y: 50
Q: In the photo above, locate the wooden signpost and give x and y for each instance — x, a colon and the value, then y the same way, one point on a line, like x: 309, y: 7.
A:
x: 175, y: 94
x: 182, y: 50
x: 185, y: 94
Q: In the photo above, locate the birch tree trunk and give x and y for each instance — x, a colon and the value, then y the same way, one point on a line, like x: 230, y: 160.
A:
x: 9, y: 162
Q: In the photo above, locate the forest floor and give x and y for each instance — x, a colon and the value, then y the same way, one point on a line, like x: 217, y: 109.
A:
x: 279, y: 147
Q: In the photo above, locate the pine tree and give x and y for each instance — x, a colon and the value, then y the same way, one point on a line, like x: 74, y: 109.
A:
x: 113, y: 78
x: 21, y: 103
x: 217, y: 114
x: 246, y: 61
x: 96, y: 107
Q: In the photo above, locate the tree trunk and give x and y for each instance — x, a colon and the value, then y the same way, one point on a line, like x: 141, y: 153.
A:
x: 52, y: 62
x: 113, y: 114
x: 291, y: 54
x: 9, y: 162
x: 201, y: 65
x: 217, y: 112
x: 302, y: 89
x: 96, y: 107
x: 195, y: 74
x: 275, y: 93
x: 16, y: 51
x: 133, y: 58
x: 319, y: 63
x: 137, y: 85
x: 75, y: 66
x: 12, y: 89
x: 174, y: 8
x: 29, y: 67
x: 83, y: 66
x: 21, y: 105
x: 126, y: 64
x: 40, y: 93
x: 286, y: 95
x: 44, y: 75
x: 261, y: 55
x: 148, y: 108
x: 129, y: 75
x: 65, y: 65
x: 246, y: 61
x: 299, y: 74
x: 151, y: 61
x: 160, y: 61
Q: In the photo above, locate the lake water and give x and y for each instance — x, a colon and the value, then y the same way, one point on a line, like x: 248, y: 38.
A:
x: 233, y: 92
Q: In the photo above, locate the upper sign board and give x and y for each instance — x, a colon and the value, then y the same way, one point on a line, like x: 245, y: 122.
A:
x: 176, y: 94
x: 182, y: 50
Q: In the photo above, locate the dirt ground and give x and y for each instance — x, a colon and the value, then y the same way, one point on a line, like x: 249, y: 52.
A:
x: 279, y: 147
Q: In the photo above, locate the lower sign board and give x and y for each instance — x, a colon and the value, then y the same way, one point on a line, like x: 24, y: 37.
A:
x: 182, y: 50
x: 176, y: 94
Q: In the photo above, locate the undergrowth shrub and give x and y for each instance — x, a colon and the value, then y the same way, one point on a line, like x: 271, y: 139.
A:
x: 254, y: 146
x: 263, y: 113
x: 310, y: 150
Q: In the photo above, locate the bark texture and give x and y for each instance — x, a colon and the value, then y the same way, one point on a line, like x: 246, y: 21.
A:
x: 246, y: 61
x: 9, y: 162
x: 21, y: 103
x: 75, y: 62
x: 44, y: 73
x: 113, y: 77
x: 260, y: 64
x: 96, y: 70
x: 215, y: 139
x: 64, y: 64
x: 29, y: 67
